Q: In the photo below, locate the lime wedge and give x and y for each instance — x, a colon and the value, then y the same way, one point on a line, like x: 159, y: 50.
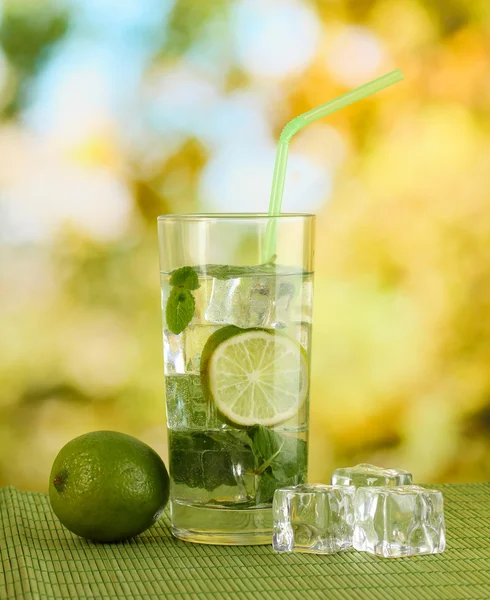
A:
x: 254, y: 376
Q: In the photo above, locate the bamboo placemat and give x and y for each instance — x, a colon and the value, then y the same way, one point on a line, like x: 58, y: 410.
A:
x: 42, y: 560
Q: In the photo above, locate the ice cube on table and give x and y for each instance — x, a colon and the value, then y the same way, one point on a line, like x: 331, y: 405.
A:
x: 313, y: 518
x: 399, y: 521
x: 365, y: 475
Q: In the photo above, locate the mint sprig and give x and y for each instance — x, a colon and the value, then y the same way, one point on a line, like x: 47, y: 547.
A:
x: 181, y: 304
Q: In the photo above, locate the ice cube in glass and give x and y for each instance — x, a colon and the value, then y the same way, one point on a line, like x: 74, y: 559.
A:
x: 244, y: 302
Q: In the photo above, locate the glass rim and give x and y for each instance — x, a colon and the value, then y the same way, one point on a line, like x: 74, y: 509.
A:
x: 233, y: 216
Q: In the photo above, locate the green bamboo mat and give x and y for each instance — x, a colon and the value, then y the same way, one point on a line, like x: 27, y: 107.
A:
x: 42, y: 560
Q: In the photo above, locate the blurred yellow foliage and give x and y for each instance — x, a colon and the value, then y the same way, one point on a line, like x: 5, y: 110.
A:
x: 93, y: 148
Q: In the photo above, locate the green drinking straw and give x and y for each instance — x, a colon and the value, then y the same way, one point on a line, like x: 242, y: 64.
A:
x: 293, y: 127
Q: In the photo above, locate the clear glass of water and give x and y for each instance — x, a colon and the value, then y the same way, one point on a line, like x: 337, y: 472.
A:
x: 237, y: 348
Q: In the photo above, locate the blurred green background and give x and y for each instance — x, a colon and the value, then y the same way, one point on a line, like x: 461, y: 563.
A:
x: 115, y: 111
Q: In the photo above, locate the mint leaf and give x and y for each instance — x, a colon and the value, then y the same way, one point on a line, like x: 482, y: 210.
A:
x: 232, y: 437
x: 236, y: 271
x: 266, y: 442
x: 179, y: 310
x: 281, y: 460
x: 281, y: 452
x: 268, y: 484
x: 185, y: 277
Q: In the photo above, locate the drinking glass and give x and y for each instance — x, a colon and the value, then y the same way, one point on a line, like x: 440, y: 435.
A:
x: 237, y: 349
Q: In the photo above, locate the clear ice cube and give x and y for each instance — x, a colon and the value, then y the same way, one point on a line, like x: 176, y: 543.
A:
x: 207, y: 468
x: 173, y: 353
x: 186, y: 406
x: 303, y: 304
x: 284, y: 297
x: 251, y: 301
x: 313, y: 518
x: 365, y: 475
x: 301, y: 332
x: 244, y: 302
x: 399, y: 521
x: 182, y: 353
x: 194, y: 340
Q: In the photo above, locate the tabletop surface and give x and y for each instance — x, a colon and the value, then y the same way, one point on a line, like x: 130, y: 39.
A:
x: 42, y: 560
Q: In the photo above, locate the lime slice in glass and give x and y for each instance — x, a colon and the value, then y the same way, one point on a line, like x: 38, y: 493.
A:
x: 255, y: 376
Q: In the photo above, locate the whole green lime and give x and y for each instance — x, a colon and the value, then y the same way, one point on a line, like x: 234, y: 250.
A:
x: 108, y: 486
